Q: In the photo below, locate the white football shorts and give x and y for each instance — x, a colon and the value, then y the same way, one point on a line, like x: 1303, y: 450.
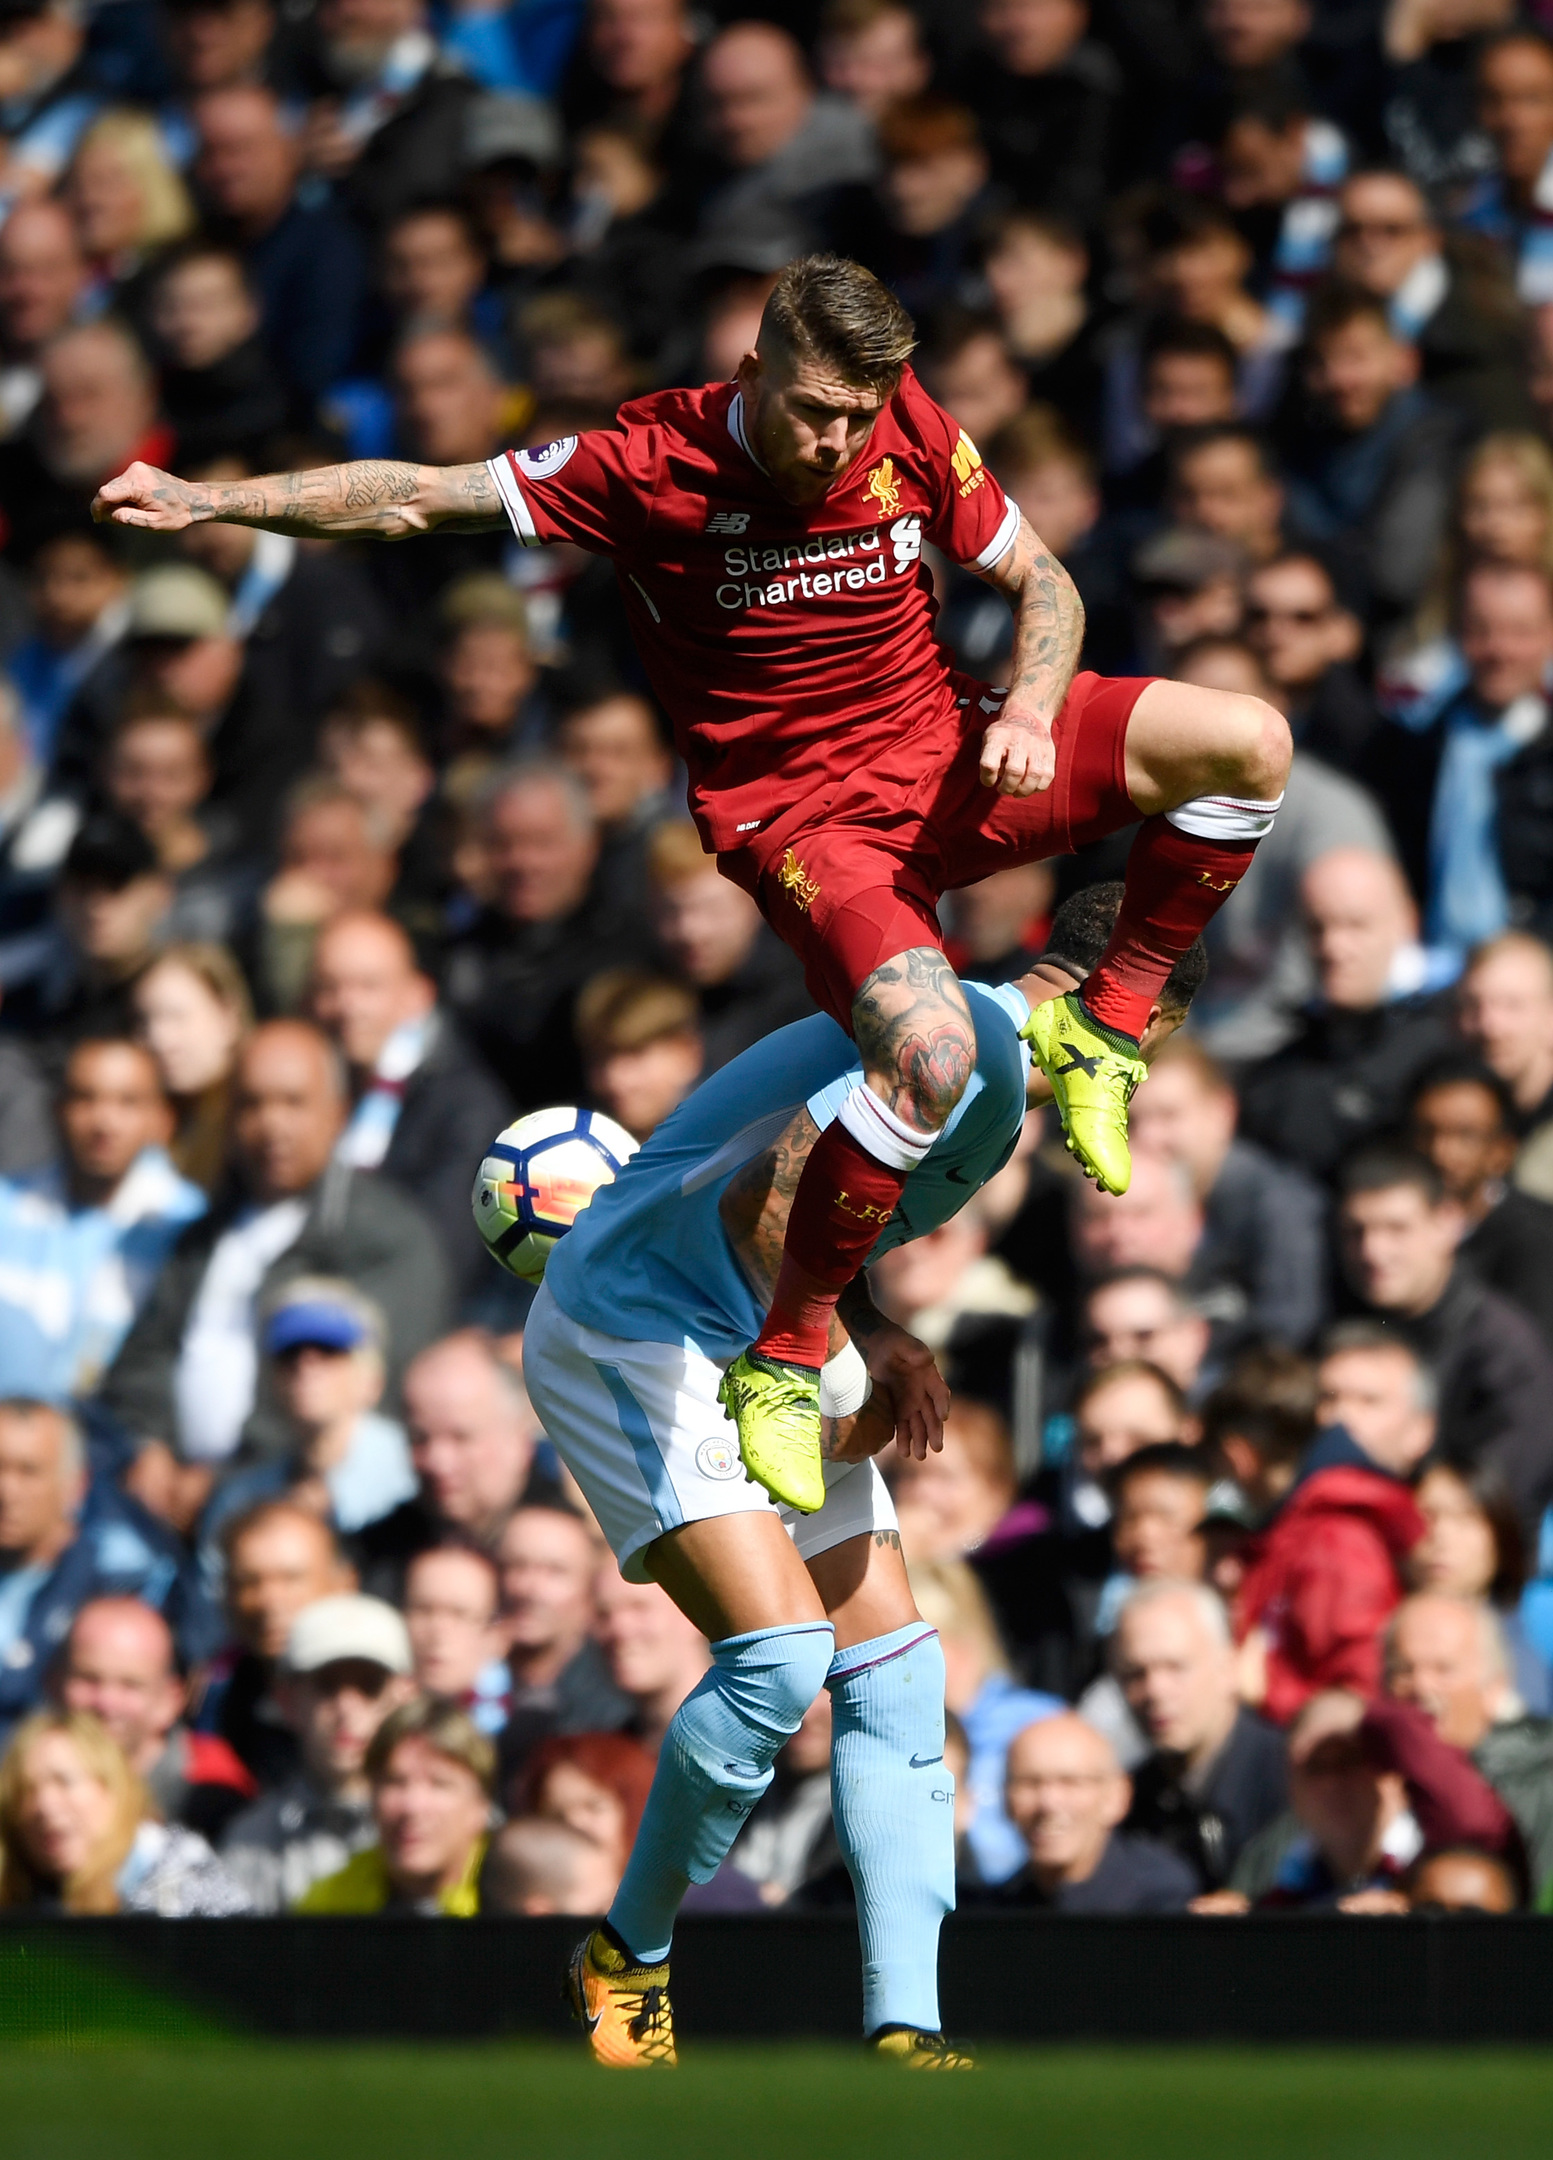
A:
x: 639, y: 1426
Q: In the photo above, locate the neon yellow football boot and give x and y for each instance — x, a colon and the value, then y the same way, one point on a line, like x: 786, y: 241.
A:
x: 919, y: 2050
x: 776, y: 1408
x: 1093, y: 1070
x: 623, y: 2007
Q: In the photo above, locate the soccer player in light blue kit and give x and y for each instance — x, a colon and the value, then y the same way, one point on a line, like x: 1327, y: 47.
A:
x: 658, y: 1286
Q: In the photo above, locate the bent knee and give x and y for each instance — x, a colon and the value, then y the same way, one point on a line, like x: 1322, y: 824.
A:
x: 1263, y: 745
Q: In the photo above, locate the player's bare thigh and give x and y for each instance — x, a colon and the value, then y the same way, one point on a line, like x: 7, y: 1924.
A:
x: 1184, y: 741
x: 734, y: 1574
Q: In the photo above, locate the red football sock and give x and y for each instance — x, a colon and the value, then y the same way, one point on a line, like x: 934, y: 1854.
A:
x: 1176, y: 884
x: 844, y: 1199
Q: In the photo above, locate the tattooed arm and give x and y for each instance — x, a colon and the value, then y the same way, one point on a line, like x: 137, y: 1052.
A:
x: 1018, y: 756
x: 377, y: 496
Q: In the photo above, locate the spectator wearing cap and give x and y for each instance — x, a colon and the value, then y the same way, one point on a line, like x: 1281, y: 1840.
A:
x: 1371, y: 460
x: 304, y: 258
x: 615, y: 746
x: 1464, y: 785
x: 512, y: 976
x: 1214, y: 1775
x: 1263, y: 1221
x: 1067, y: 1798
x: 472, y: 1439
x: 424, y: 1105
x: 96, y: 413
x: 640, y: 1045
x: 1462, y: 1117
x: 775, y: 138
x: 119, y: 1663
x: 280, y: 1559
x: 322, y: 1344
x: 66, y: 1538
x: 746, y: 981
x: 1189, y: 587
x: 1399, y: 1237
x: 433, y: 1777
x: 82, y: 1242
x: 346, y: 1669
x: 1329, y: 1568
x: 1381, y: 1015
x: 185, y: 1383
x: 42, y: 290
x: 112, y: 903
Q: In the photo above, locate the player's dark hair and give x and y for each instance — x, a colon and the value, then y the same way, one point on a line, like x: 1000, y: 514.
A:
x: 825, y: 308
x: 1081, y: 930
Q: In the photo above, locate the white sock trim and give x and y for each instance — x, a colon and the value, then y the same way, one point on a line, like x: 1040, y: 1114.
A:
x: 1224, y: 817
x: 880, y: 1133
x: 844, y: 1383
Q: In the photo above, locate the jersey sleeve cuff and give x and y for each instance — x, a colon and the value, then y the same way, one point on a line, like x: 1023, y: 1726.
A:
x: 519, y: 516
x: 1000, y: 543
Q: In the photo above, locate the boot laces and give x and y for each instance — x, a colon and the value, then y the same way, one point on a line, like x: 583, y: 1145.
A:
x: 651, y: 2028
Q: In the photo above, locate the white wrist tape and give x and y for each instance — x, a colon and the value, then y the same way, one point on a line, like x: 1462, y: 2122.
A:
x: 844, y: 1383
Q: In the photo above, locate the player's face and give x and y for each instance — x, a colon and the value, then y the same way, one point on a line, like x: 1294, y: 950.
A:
x: 806, y: 424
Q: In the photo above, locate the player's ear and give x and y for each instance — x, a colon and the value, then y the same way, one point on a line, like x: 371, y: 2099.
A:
x: 749, y: 373
x: 1163, y: 1023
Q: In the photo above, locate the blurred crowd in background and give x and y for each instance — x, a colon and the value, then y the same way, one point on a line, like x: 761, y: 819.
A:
x: 319, y: 862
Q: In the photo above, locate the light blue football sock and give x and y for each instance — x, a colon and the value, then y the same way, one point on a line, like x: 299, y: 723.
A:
x: 894, y: 1805
x: 715, y: 1764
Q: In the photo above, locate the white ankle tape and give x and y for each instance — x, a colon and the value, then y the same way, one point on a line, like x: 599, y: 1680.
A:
x: 880, y: 1133
x: 1224, y: 817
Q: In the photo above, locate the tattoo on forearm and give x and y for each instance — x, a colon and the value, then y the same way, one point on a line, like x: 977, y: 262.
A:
x: 1048, y: 624
x: 913, y: 1027
x: 373, y: 483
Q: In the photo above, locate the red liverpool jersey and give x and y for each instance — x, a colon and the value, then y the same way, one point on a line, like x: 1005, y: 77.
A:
x: 791, y: 647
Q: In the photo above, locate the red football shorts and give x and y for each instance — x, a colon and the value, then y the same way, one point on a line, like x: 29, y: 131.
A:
x: 850, y: 882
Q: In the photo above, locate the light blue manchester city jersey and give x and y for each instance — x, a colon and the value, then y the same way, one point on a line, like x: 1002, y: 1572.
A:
x: 649, y: 1260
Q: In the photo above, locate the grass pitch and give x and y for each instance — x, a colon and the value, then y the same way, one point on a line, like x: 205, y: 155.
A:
x: 214, y: 2100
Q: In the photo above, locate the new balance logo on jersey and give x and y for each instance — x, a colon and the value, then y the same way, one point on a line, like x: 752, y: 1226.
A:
x: 727, y: 521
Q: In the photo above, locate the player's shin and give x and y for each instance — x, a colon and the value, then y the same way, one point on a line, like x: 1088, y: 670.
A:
x: 1183, y: 867
x: 894, y: 1809
x: 856, y: 1172
x: 715, y: 1764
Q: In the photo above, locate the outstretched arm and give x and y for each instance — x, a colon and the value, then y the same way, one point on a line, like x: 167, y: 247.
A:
x: 377, y: 496
x: 1018, y: 756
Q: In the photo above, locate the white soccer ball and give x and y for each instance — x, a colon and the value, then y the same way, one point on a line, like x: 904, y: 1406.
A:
x: 536, y: 1179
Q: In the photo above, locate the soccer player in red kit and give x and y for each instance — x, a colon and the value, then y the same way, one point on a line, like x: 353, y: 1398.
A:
x: 768, y: 538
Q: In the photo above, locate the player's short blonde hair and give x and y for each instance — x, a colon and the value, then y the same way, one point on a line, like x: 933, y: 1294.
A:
x: 827, y: 309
